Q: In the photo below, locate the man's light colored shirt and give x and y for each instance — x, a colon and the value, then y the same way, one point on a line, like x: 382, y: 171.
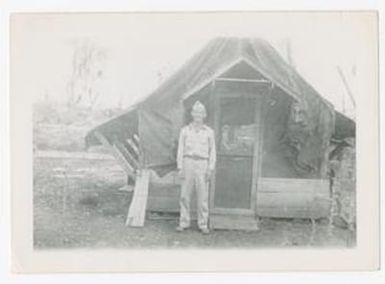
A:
x: 197, y: 142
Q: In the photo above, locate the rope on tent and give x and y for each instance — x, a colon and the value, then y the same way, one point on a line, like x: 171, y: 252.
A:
x: 128, y: 168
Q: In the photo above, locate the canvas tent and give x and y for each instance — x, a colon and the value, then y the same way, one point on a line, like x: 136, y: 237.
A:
x: 272, y: 128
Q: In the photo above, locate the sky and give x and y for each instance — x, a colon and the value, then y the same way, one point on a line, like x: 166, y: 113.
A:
x: 140, y: 46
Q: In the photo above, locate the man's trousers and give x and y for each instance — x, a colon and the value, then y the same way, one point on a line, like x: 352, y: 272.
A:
x: 195, y: 171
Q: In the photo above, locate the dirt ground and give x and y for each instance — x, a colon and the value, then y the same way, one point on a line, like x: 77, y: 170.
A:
x: 78, y: 204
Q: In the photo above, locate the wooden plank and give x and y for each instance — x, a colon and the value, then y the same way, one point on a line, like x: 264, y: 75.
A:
x: 313, y: 207
x: 292, y: 185
x: 133, y: 146
x: 118, y: 156
x: 293, y: 195
x: 129, y: 148
x: 136, y: 138
x: 272, y: 212
x: 281, y: 200
x: 293, y: 198
x: 292, y: 212
x: 226, y: 79
x: 140, y: 148
x: 128, y: 156
x: 137, y: 210
x: 129, y: 169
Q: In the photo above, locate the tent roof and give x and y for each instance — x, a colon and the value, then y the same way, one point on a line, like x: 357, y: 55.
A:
x: 218, y: 56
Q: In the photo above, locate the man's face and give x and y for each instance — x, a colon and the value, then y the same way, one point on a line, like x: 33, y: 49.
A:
x: 197, y: 117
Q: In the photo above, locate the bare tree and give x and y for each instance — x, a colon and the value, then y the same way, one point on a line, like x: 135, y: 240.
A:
x: 87, y: 72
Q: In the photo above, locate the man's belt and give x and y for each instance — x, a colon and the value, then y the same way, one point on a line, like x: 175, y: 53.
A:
x: 195, y: 157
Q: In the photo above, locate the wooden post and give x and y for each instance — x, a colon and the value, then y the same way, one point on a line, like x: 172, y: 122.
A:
x: 137, y: 211
x: 214, y: 104
x: 259, y: 147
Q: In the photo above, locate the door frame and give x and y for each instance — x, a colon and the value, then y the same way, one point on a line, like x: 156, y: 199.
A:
x: 258, y: 147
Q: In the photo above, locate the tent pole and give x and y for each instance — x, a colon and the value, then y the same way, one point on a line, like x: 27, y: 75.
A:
x: 346, y: 85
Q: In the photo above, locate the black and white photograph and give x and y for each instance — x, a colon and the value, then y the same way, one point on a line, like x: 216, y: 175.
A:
x: 193, y: 131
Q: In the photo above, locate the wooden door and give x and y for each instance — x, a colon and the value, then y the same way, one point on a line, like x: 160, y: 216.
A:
x: 238, y: 131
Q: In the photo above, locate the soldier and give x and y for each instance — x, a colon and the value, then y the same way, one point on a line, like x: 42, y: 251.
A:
x: 196, y: 162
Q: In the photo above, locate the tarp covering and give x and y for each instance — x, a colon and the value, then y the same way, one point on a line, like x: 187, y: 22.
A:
x: 120, y: 128
x: 161, y: 114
